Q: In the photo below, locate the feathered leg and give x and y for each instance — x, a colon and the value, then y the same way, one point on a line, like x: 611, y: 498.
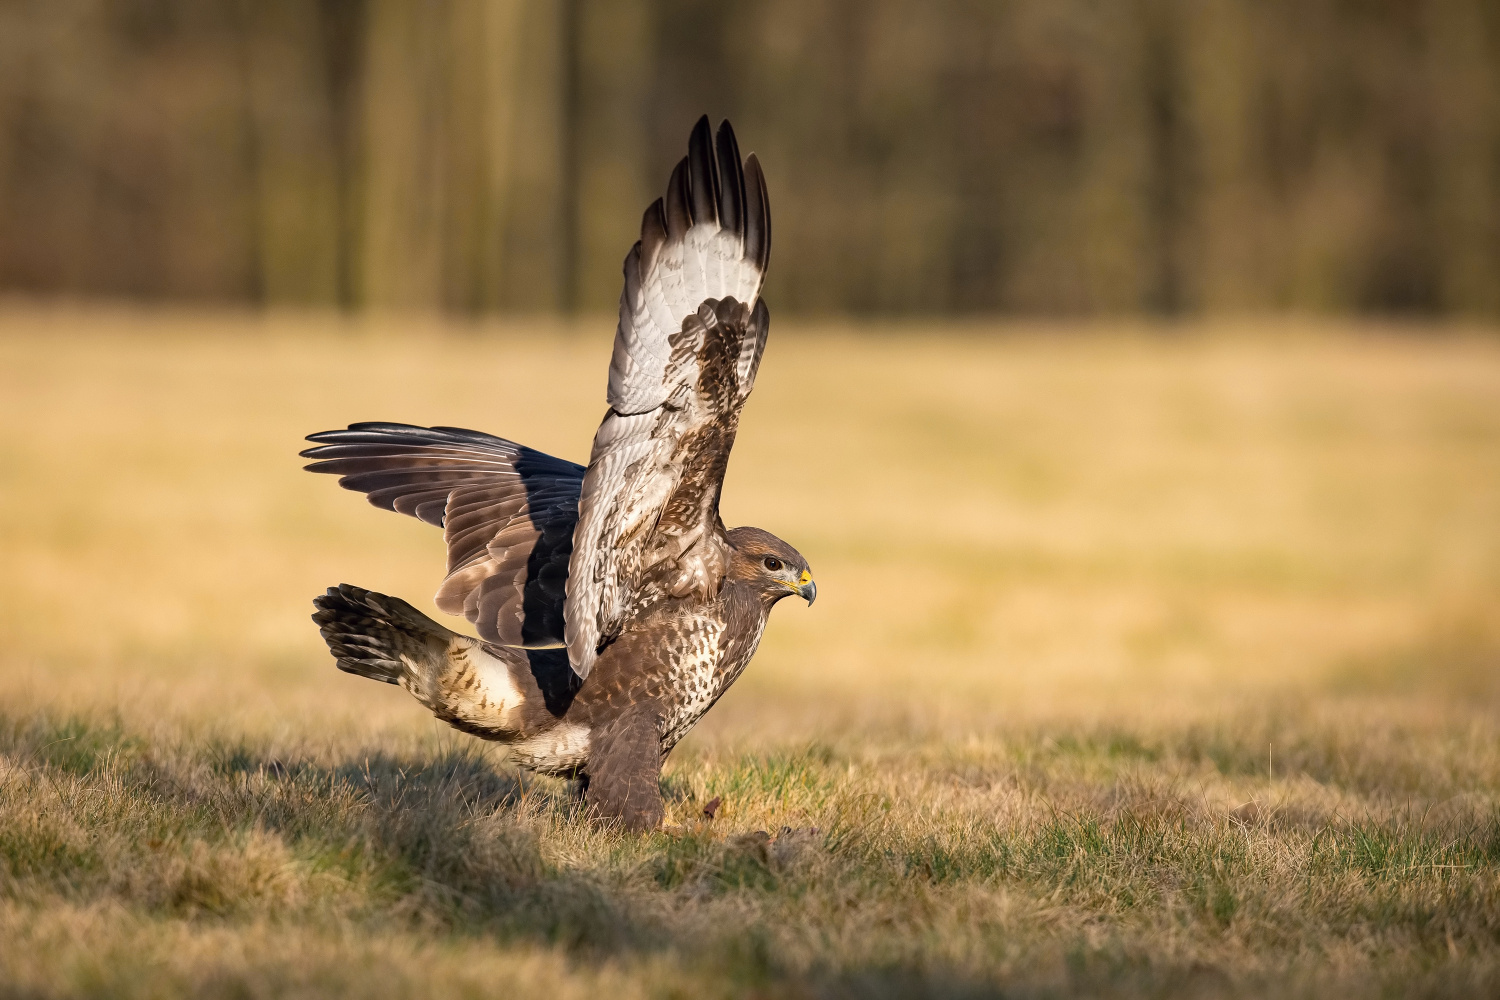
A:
x: 624, y: 769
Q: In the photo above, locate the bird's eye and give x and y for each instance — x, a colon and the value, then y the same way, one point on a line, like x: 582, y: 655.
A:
x: 772, y: 563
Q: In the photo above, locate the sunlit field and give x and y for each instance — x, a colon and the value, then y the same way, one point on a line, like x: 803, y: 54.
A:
x: 1146, y: 662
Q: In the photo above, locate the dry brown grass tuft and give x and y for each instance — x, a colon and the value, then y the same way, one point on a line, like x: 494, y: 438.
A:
x: 1143, y: 665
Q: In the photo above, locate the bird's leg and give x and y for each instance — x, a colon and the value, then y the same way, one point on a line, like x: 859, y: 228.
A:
x: 624, y: 769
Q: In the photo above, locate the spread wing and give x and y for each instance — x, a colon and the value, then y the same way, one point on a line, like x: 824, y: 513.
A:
x: 689, y: 340
x: 507, y: 513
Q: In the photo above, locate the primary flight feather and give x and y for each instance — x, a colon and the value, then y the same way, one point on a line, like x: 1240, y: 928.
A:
x: 614, y: 607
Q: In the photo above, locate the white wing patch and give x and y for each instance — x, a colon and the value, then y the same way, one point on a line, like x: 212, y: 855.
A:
x: 627, y: 486
x: 708, y: 263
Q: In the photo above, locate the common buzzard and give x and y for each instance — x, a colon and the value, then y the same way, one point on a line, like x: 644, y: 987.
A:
x: 613, y: 606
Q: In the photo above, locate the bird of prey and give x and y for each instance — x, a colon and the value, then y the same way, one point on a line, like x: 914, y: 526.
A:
x: 613, y: 606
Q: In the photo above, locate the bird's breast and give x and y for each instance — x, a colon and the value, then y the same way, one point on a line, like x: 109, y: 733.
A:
x: 710, y: 657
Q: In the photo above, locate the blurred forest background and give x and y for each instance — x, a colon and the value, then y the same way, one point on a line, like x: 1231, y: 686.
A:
x: 1144, y: 665
x: 924, y: 156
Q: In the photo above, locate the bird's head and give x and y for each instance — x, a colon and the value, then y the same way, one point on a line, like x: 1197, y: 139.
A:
x: 771, y: 566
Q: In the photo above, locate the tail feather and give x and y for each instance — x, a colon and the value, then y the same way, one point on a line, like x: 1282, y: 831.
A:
x: 478, y: 690
x: 376, y: 636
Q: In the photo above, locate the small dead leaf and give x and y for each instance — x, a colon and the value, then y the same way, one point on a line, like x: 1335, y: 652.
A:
x: 712, y: 807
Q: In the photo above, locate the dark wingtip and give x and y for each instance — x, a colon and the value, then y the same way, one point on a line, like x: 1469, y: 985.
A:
x: 367, y: 427
x: 679, y: 201
x: 703, y: 173
x: 731, y: 181
x: 757, y: 215
x: 760, y: 316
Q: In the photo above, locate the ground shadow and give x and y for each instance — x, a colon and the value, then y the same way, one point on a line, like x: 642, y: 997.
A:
x: 450, y: 841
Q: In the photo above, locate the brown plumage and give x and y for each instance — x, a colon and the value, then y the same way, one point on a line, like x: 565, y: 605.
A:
x: 613, y: 606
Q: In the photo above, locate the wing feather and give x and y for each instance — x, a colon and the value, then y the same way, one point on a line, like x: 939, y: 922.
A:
x: 691, y: 332
x: 731, y: 181
x: 507, y: 514
x: 649, y: 526
x: 682, y: 261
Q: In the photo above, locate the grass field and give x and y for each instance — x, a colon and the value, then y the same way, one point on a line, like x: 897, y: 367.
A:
x: 1145, y: 663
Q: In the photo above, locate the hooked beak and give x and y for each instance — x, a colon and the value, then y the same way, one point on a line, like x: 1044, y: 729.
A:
x: 805, y: 588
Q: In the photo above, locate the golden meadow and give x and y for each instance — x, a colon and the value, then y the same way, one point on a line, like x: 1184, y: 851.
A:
x: 1147, y: 661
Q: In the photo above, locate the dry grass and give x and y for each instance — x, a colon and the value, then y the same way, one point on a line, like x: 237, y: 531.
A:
x: 1084, y: 595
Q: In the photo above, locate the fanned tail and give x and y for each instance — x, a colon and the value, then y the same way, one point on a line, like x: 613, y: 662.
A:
x: 480, y: 691
x: 379, y: 637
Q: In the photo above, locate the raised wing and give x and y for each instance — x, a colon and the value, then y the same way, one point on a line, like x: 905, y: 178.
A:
x: 507, y: 513
x: 691, y: 332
